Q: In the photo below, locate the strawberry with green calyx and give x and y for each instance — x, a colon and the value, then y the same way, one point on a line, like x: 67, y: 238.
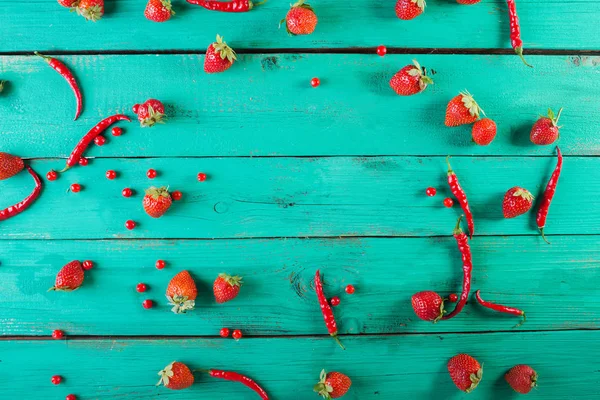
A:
x: 462, y: 110
x: 182, y: 293
x: 159, y: 10
x: 226, y: 287
x: 157, y: 201
x: 69, y: 278
x: 219, y: 57
x: 522, y: 378
x: 428, y: 306
x: 92, y: 10
x: 409, y: 9
x: 411, y: 79
x: 517, y: 201
x: 150, y: 112
x: 176, y: 376
x: 546, y: 130
x: 332, y: 385
x: 10, y: 165
x: 465, y: 371
x: 300, y: 19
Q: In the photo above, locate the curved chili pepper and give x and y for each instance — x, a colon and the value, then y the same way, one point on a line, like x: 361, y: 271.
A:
x: 515, y: 30
x: 463, y: 246
x: 64, y: 71
x: 326, y: 310
x: 460, y: 195
x: 89, y: 137
x: 244, y: 380
x: 226, y: 6
x: 501, y: 308
x: 548, y: 195
x: 27, y: 201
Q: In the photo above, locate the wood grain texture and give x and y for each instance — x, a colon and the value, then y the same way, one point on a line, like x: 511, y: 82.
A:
x: 548, y: 25
x: 380, y: 367
x: 265, y: 105
x: 555, y: 285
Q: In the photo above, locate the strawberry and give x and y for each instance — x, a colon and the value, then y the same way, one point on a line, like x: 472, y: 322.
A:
x: 484, y: 131
x: 69, y: 278
x: 91, y: 10
x: 545, y: 130
x: 300, y: 19
x: 219, y: 57
x: 159, y: 10
x: 10, y: 165
x: 517, y: 201
x: 332, y: 385
x: 176, y: 376
x: 468, y: 2
x: 410, y: 80
x: 465, y: 371
x: 156, y: 201
x: 149, y: 113
x: 462, y: 110
x: 226, y: 287
x: 409, y: 9
x: 68, y: 3
x: 428, y: 306
x: 182, y: 292
x: 522, y: 378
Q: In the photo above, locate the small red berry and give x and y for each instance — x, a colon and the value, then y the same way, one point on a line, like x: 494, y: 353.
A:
x: 56, y: 380
x: 237, y: 334
x: 224, y: 332
x: 431, y: 191
x: 110, y: 174
x: 51, y: 176
x: 83, y: 161
x: 314, y: 82
x: 129, y: 224
x: 453, y: 298
x: 448, y: 202
x: 335, y: 301
x: 116, y: 131
x: 160, y: 264
x: 201, y: 177
x: 71, y: 397
x: 58, y: 334
x: 100, y: 140
x: 127, y: 192
x: 147, y: 304
x: 75, y: 188
x: 141, y: 287
x: 381, y: 50
x: 350, y: 289
x: 87, y: 265
x: 151, y: 174
x: 135, y: 108
x: 176, y: 195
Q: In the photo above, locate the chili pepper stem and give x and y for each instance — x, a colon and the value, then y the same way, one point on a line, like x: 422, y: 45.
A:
x: 63, y: 170
x: 457, y: 229
x: 522, y: 322
x: 46, y: 58
x: 260, y: 3
x: 544, y: 236
x: 337, y: 340
x: 519, y: 51
x: 449, y: 167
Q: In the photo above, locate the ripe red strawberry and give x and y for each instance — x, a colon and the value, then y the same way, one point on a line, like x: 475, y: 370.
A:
x: 159, y: 10
x: 69, y: 278
x: 226, y: 287
x: 484, y: 131
x: 156, y: 201
x: 150, y: 112
x: 517, y: 201
x: 10, y: 165
x: 92, y: 10
x: 219, y: 57
x: 182, y: 292
x: 462, y: 110
x: 68, y: 3
x: 545, y: 130
x: 176, y: 376
x: 300, y: 19
x: 410, y: 80
x: 409, y: 9
x: 468, y: 2
x: 465, y: 371
x: 522, y: 378
x: 428, y: 306
x: 332, y: 385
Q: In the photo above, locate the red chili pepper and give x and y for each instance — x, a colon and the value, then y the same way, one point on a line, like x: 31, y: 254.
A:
x: 501, y: 308
x: 460, y: 195
x: 326, y: 310
x: 64, y: 71
x: 27, y: 201
x: 463, y: 246
x: 515, y: 30
x: 548, y: 195
x: 89, y: 137
x: 226, y: 6
x: 235, y: 377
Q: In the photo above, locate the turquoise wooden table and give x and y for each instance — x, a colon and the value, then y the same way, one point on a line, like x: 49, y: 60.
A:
x: 299, y: 178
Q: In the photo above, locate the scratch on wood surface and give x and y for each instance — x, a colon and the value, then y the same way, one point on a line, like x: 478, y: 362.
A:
x: 585, y: 61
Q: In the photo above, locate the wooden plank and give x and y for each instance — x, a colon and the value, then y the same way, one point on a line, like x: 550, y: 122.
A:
x: 546, y: 25
x: 300, y: 197
x: 380, y: 367
x: 266, y: 106
x: 554, y: 284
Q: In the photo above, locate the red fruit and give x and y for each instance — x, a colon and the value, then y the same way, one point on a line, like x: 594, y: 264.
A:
x: 151, y: 174
x: 431, y: 191
x: 219, y: 57
x: 237, y: 334
x: 517, y: 201
x: 10, y: 165
x: 332, y: 385
x: 300, y: 19
x: 110, y: 174
x: 141, y: 287
x: 69, y: 278
x: 75, y: 188
x: 484, y: 131
x: 182, y: 292
x: 87, y: 265
x: 428, y: 306
x: 350, y: 289
x: 92, y: 10
x: 453, y: 298
x: 335, y: 301
x: 159, y: 10
x: 448, y: 202
x: 67, y: 3
x: 409, y: 9
x: 226, y: 287
x: 150, y: 113
x: 176, y: 376
x: 545, y: 130
x: 156, y: 201
x: 468, y: 2
x: 71, y: 397
x: 127, y: 192
x: 411, y: 79
x: 462, y: 110
x: 465, y: 371
x: 83, y: 161
x: 381, y: 50
x: 116, y: 131
x: 100, y: 140
x: 57, y: 334
x: 51, y: 176
x: 224, y: 332
x: 201, y: 177
x: 176, y: 195
x: 160, y: 264
x: 56, y: 379
x: 147, y: 304
x: 522, y: 378
x: 314, y: 82
x: 129, y: 224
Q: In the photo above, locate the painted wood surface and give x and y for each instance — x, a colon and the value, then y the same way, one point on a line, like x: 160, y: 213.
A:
x: 546, y: 25
x: 265, y: 106
x: 556, y: 285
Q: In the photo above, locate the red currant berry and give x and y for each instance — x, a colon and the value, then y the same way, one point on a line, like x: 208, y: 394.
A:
x: 453, y: 298
x: 314, y: 82
x: 224, y: 332
x: 350, y: 289
x: 127, y: 192
x: 56, y: 380
x: 151, y: 174
x: 75, y: 188
x: 87, y: 265
x: 147, y: 304
x: 431, y: 191
x: 83, y: 161
x: 335, y: 301
x: 58, y: 334
x: 141, y: 287
x: 71, y: 397
x: 176, y: 195
x: 201, y: 177
x: 116, y: 131
x: 381, y: 50
x: 110, y: 174
x: 237, y: 334
x: 129, y: 224
x: 51, y: 176
x: 448, y: 202
x: 160, y: 264
x: 100, y: 140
